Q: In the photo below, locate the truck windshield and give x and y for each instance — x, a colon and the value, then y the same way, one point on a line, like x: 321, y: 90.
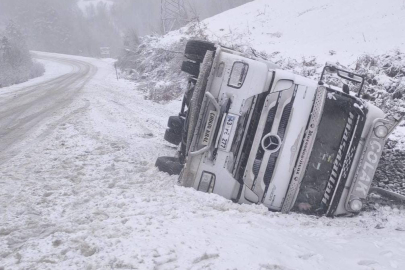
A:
x: 338, y: 125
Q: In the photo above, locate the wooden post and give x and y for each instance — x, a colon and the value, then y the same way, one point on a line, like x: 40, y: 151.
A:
x: 116, y: 71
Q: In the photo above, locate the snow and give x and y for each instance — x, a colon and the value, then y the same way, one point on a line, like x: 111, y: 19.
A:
x: 82, y: 191
x: 86, y: 195
x: 399, y: 136
x: 296, y: 29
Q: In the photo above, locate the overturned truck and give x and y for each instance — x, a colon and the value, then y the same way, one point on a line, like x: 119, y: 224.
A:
x: 254, y: 133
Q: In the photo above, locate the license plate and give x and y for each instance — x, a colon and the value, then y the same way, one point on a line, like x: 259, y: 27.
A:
x: 226, y: 132
x: 209, y: 126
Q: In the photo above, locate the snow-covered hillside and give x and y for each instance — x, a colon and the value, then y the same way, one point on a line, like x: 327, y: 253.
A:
x: 329, y: 30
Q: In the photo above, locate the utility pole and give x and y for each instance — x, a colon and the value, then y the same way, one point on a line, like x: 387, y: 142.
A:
x: 173, y: 14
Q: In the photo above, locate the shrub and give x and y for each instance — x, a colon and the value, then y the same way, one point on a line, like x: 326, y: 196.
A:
x: 16, y: 64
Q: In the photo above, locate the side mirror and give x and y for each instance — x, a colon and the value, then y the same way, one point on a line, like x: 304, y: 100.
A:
x: 344, y: 74
x: 350, y: 76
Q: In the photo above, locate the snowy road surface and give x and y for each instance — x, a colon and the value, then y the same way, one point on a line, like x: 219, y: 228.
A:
x: 78, y: 190
x: 23, y: 110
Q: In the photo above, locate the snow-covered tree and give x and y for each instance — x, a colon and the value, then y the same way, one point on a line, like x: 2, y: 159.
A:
x: 16, y: 64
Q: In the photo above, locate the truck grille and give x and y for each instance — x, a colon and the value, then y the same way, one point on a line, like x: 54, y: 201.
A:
x: 281, y: 132
x: 251, y: 132
x: 267, y: 129
x: 285, y: 119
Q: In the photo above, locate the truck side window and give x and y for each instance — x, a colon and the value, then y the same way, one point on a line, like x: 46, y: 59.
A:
x: 283, y: 85
x: 238, y: 74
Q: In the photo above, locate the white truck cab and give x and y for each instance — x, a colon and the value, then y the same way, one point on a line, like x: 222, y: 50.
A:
x: 254, y: 133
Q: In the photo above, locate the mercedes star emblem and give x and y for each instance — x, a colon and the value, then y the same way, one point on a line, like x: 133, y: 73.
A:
x: 271, y: 142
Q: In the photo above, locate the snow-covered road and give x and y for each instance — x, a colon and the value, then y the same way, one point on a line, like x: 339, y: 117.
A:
x: 23, y: 110
x: 79, y: 190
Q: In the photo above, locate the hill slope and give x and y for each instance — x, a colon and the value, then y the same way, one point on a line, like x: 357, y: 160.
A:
x: 298, y: 28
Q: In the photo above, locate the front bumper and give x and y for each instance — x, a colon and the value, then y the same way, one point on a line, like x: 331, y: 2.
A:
x: 368, y: 163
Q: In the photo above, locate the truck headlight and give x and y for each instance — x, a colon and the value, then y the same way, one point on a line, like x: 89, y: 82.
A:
x: 207, y: 182
x: 381, y: 131
x: 356, y: 205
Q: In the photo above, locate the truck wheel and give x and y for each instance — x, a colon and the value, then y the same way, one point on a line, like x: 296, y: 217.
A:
x: 172, y: 137
x: 170, y: 165
x: 196, y: 49
x: 198, y: 95
x: 191, y: 68
x: 176, y: 123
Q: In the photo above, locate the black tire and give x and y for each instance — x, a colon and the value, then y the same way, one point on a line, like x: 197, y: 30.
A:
x: 191, y: 68
x: 196, y: 49
x: 176, y: 123
x: 170, y: 165
x: 172, y: 136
